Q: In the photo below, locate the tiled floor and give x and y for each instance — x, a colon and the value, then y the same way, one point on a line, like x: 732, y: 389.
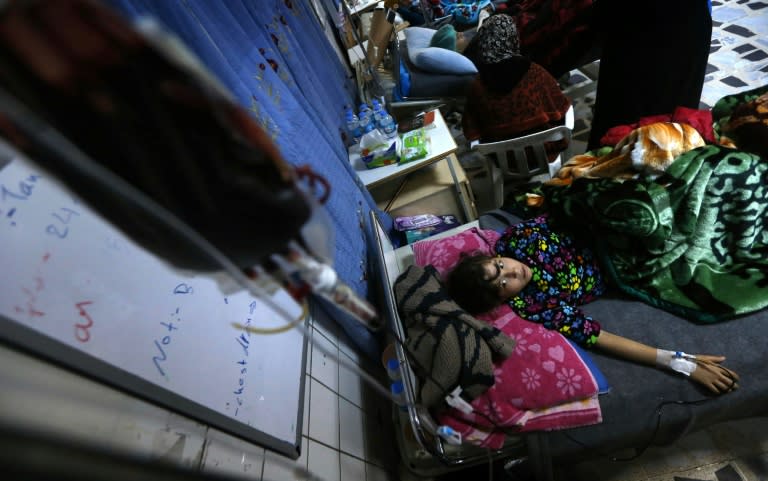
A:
x: 735, y: 451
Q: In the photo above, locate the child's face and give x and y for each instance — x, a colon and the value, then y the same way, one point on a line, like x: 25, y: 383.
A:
x: 508, y: 275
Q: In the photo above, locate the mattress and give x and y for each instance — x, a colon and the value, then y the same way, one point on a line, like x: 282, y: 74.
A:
x: 654, y: 407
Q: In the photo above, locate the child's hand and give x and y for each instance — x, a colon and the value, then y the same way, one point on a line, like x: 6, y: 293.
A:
x: 713, y: 375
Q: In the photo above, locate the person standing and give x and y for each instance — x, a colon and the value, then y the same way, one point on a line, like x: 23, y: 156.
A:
x: 654, y: 59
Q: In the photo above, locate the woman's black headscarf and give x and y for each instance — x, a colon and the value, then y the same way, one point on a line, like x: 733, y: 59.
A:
x: 498, y: 58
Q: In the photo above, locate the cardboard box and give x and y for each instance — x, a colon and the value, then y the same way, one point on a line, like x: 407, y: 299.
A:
x: 429, y: 190
x: 379, y: 33
x: 358, y: 23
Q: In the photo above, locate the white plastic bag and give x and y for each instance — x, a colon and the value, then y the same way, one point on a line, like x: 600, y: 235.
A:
x: 376, y: 150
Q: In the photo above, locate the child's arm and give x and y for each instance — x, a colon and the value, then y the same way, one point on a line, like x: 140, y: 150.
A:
x: 707, y: 369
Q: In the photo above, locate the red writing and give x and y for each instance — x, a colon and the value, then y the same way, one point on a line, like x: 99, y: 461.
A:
x: 31, y: 293
x: 83, y: 330
x: 31, y: 299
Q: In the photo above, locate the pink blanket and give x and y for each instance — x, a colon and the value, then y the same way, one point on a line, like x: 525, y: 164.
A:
x: 543, y: 385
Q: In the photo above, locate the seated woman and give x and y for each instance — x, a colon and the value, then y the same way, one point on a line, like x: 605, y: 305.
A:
x: 544, y: 276
x: 511, y: 95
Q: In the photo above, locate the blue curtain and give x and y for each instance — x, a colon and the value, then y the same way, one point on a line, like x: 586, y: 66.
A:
x: 277, y: 61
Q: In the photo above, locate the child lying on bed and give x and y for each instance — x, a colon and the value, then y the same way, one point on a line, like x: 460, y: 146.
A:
x: 544, y: 276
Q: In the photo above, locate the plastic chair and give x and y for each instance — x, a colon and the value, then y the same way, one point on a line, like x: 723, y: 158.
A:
x: 523, y: 157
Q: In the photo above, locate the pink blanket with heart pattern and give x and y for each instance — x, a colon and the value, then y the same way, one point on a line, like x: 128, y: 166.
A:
x: 543, y: 385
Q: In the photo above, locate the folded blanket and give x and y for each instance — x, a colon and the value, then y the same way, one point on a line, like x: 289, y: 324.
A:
x: 649, y: 150
x: 449, y: 346
x: 701, y: 120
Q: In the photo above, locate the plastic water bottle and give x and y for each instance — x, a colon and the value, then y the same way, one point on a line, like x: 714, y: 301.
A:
x: 377, y: 113
x: 393, y: 369
x: 387, y: 124
x: 398, y: 392
x: 365, y: 114
x: 353, y: 125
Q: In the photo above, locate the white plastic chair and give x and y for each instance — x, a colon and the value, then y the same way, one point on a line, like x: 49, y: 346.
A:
x: 523, y: 157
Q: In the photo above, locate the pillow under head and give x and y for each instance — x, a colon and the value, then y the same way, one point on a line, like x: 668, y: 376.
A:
x: 444, y: 253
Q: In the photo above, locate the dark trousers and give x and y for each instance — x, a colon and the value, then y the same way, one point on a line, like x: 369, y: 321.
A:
x: 653, y: 59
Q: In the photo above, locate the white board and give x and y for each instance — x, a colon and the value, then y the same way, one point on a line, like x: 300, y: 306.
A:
x: 79, y: 292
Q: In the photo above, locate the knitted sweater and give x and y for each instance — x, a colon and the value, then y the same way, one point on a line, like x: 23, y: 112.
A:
x: 449, y: 346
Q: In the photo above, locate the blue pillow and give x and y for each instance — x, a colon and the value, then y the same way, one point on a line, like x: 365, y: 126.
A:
x: 602, y: 383
x: 440, y: 60
x: 435, y: 59
x: 418, y: 37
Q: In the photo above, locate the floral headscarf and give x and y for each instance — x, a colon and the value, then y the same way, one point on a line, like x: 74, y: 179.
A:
x: 498, y: 39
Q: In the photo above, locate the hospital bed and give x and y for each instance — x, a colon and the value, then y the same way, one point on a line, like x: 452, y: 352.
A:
x: 644, y: 407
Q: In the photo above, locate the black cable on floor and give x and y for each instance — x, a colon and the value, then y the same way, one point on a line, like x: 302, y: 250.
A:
x: 659, y: 411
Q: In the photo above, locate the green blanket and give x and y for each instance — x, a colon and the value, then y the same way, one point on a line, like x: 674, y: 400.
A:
x: 693, y: 242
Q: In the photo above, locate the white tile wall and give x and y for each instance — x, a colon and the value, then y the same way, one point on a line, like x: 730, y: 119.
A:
x: 350, y: 383
x: 224, y: 454
x: 325, y: 367
x: 278, y: 467
x: 324, y: 425
x: 352, y: 469
x: 347, y: 432
x: 351, y: 429
x: 324, y: 462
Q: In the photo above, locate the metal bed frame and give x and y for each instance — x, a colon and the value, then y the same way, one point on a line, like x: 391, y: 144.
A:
x: 427, y: 454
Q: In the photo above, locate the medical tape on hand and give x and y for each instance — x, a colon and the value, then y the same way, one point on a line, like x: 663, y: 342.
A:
x: 677, y: 361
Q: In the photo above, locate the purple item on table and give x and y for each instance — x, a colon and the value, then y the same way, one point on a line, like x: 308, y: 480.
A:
x: 416, y: 221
